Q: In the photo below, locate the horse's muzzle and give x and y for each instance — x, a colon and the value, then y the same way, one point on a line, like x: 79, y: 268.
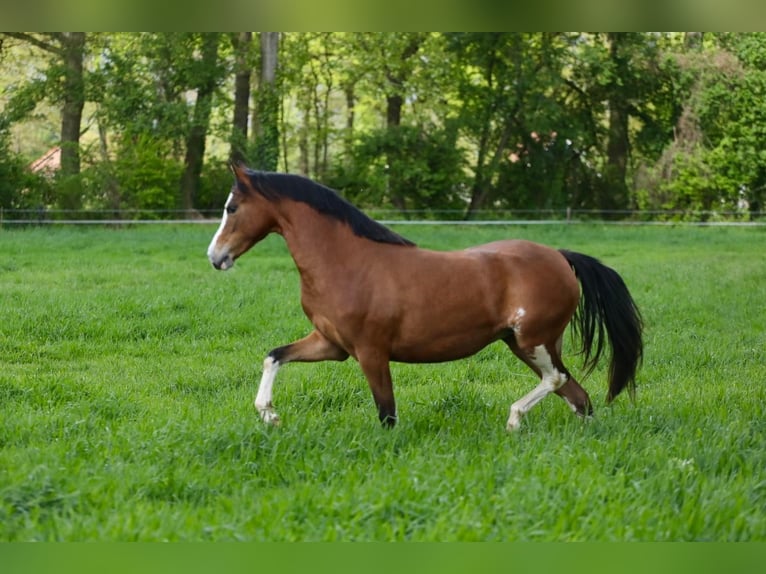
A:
x: 221, y: 263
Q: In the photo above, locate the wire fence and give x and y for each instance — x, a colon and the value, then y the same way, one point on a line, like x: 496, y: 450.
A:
x: 124, y: 217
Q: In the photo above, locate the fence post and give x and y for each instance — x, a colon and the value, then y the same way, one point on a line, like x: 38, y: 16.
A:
x: 569, y: 215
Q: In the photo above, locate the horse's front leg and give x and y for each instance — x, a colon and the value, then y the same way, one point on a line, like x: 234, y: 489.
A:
x: 378, y: 373
x: 314, y: 347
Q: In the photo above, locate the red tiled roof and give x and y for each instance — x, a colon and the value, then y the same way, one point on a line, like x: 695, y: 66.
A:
x: 49, y: 161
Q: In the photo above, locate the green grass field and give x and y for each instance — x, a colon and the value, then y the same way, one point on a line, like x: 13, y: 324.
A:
x: 128, y: 367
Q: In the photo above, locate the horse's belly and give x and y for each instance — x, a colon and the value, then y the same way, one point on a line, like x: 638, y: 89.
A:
x: 441, y: 348
x: 450, y: 325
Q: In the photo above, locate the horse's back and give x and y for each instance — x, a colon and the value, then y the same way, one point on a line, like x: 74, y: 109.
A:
x: 504, y: 274
x: 521, y: 248
x: 527, y: 262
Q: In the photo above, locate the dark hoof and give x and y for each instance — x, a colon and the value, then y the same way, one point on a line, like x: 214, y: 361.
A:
x: 388, y: 421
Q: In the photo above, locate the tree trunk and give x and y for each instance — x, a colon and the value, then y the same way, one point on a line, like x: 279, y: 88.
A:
x: 195, y: 141
x: 243, y: 71
x: 110, y: 182
x: 73, y: 50
x: 613, y: 194
x: 316, y: 135
x: 348, y: 136
x: 324, y: 126
x: 479, y: 189
x: 303, y: 142
x: 394, y: 105
x: 266, y: 130
x: 693, y: 40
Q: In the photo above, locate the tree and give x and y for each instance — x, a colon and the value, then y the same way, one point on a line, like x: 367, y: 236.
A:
x: 714, y: 160
x: 487, y: 114
x: 614, y: 192
x: 266, y: 129
x: 735, y: 120
x: 241, y: 42
x: 392, y: 66
x: 508, y: 100
x: 622, y: 82
x: 158, y: 92
x: 409, y: 120
x: 68, y: 51
x: 206, y: 76
x: 313, y: 71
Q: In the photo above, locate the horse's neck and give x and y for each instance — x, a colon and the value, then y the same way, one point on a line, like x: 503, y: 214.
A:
x: 320, y: 245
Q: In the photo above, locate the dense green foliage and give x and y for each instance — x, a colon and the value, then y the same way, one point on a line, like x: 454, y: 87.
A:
x: 128, y: 367
x: 400, y: 120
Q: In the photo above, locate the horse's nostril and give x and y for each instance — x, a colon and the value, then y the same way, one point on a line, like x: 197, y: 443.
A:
x: 222, y: 263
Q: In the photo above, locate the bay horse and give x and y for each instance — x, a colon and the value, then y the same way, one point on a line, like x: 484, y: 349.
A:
x: 373, y: 295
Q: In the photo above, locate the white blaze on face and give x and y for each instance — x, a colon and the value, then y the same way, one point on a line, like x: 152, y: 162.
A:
x: 211, y: 250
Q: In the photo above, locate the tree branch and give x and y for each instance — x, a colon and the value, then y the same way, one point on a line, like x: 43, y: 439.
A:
x: 35, y: 41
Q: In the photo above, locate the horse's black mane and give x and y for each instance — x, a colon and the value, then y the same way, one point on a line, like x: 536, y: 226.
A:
x: 324, y: 200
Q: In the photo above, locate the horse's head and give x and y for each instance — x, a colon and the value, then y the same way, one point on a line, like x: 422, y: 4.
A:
x: 247, y: 218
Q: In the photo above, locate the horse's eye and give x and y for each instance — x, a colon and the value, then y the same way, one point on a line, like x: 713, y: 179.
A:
x: 230, y: 209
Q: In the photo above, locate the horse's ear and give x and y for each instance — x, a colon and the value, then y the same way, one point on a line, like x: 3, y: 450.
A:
x: 239, y: 169
x: 241, y: 175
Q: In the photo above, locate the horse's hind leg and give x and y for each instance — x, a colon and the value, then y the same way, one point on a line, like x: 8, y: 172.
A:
x: 539, y: 358
x: 571, y: 391
x: 576, y: 397
x: 545, y: 360
x: 314, y: 347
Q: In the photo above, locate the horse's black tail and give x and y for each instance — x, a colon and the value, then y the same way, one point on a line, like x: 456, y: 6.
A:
x: 606, y: 304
